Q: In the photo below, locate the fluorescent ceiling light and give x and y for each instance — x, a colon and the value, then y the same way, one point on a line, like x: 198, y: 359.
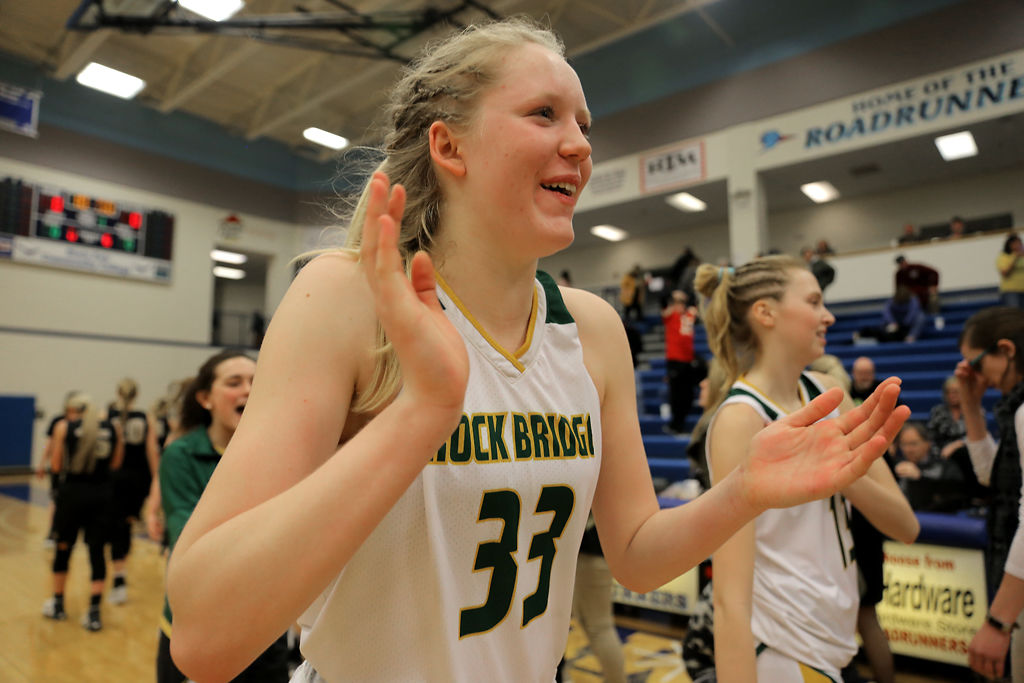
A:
x: 214, y: 10
x: 820, y: 192
x: 684, y: 201
x: 110, y: 81
x: 228, y: 257
x: 609, y: 232
x: 322, y: 137
x: 229, y: 273
x: 956, y: 145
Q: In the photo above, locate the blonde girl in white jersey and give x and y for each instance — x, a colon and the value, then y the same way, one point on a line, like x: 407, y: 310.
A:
x: 785, y: 589
x: 363, y: 377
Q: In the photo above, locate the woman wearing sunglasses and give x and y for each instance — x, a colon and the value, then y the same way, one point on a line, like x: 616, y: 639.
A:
x: 992, y: 344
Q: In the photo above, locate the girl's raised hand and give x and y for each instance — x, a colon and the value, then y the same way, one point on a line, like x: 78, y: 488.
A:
x: 432, y: 355
x: 798, y: 459
x: 972, y: 385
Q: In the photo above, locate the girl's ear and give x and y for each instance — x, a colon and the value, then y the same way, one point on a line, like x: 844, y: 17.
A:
x: 763, y: 313
x: 1007, y: 347
x: 203, y: 399
x: 444, y: 149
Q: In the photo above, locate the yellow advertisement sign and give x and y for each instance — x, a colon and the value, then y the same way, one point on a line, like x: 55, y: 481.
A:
x: 934, y: 600
x: 678, y: 596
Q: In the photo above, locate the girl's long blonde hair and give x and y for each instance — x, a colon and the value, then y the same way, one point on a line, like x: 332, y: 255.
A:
x: 83, y: 460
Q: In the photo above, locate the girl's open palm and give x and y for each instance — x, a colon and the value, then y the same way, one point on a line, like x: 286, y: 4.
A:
x: 432, y: 355
x: 798, y: 459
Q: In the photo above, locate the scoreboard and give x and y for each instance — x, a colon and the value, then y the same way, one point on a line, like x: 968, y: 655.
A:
x: 54, y: 227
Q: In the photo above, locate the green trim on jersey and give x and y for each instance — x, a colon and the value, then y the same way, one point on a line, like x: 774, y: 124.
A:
x: 812, y: 388
x: 557, y: 313
x: 769, y: 411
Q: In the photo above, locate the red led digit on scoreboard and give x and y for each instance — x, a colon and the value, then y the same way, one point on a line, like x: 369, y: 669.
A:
x: 107, y: 240
x: 135, y: 219
x: 57, y: 204
x: 71, y: 235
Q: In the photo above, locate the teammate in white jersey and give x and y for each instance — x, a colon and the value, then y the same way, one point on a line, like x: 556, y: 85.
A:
x: 786, y: 584
x: 423, y: 530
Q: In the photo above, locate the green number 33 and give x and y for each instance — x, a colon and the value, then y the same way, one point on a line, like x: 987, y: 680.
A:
x: 498, y: 556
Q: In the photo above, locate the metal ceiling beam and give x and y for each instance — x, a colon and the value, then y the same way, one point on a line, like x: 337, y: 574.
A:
x: 637, y: 26
x: 78, y: 56
x: 275, y: 92
x: 367, y: 77
x: 221, y: 66
x: 605, y: 13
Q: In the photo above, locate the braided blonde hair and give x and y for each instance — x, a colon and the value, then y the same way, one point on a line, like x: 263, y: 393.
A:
x: 728, y: 295
x: 443, y: 84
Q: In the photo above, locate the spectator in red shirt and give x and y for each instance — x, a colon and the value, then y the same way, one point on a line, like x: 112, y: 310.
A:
x: 683, y: 372
x: 921, y: 280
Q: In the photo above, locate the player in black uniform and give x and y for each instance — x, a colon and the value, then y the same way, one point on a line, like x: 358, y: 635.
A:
x: 132, y: 482
x: 85, y: 451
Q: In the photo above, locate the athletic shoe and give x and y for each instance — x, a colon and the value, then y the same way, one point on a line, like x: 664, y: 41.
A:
x: 118, y: 595
x: 49, y: 543
x: 51, y: 610
x: 91, y: 620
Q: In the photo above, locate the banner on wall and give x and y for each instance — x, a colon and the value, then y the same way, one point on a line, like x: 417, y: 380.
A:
x: 934, y: 600
x: 667, y: 168
x: 19, y: 110
x: 973, y: 92
x: 678, y: 596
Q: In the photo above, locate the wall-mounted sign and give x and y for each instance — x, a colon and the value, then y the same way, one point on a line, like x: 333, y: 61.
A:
x: 19, y: 109
x: 667, y: 168
x: 934, y: 600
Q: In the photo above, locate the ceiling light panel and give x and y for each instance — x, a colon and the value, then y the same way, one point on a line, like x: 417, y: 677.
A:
x: 684, y: 201
x: 820, y: 192
x: 957, y: 145
x: 222, y: 256
x: 214, y: 10
x: 110, y: 81
x: 322, y: 137
x: 228, y: 273
x: 609, y: 232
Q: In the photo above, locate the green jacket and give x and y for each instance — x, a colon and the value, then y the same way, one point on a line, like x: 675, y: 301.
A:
x: 185, y: 469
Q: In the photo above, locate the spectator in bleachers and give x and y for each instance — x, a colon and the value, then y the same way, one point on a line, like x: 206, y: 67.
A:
x: 863, y: 379
x: 565, y: 279
x: 824, y: 273
x: 683, y: 371
x: 992, y: 344
x: 631, y: 293
x: 921, y: 280
x: 909, y: 235
x: 946, y: 421
x: 1010, y: 265
x: 823, y: 248
x: 682, y: 272
x: 918, y: 458
x: 902, y: 320
x: 956, y: 228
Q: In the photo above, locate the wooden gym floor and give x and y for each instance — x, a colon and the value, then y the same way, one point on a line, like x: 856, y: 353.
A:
x: 37, y: 650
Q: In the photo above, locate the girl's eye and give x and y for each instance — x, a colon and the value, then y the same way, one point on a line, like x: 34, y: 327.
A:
x: 585, y: 129
x: 546, y: 112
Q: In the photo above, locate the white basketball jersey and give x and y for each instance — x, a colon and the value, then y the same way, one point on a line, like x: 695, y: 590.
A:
x: 470, y: 576
x: 805, y: 594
